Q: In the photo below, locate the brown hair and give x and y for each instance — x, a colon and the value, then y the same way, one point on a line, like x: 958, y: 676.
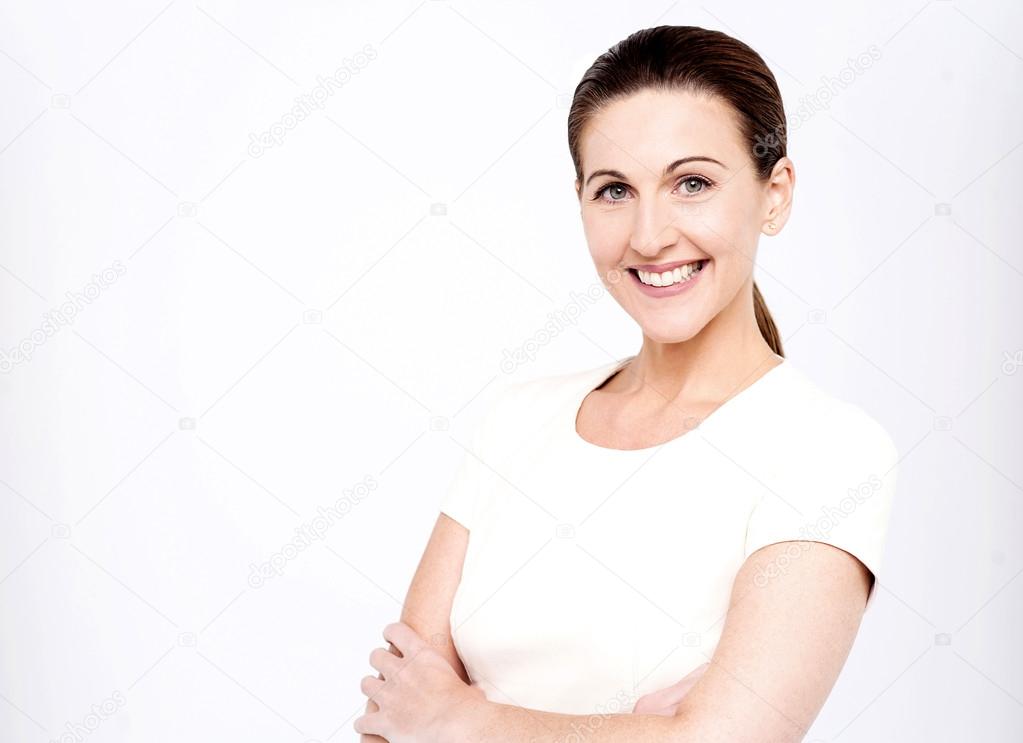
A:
x: 696, y: 60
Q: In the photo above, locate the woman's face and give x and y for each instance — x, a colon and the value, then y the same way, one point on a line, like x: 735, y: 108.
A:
x: 641, y: 221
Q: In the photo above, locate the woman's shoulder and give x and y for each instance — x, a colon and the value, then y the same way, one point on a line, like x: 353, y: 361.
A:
x: 827, y: 423
x: 518, y: 406
x: 543, y: 390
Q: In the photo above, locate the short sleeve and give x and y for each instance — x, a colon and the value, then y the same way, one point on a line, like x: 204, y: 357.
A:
x: 462, y: 499
x: 839, y: 490
x: 459, y: 502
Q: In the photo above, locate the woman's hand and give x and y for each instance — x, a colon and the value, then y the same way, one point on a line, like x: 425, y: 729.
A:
x: 666, y: 701
x: 417, y: 694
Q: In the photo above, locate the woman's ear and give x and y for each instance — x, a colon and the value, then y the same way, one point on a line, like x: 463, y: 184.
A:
x: 780, y: 189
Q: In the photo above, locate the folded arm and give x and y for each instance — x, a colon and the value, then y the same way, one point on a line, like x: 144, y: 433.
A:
x: 782, y: 647
x: 427, y: 605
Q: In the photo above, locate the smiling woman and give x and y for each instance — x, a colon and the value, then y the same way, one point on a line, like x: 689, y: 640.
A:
x: 678, y: 544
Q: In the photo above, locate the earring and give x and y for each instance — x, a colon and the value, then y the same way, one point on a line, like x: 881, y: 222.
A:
x: 771, y: 225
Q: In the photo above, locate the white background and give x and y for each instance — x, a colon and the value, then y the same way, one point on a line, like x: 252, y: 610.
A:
x: 291, y: 324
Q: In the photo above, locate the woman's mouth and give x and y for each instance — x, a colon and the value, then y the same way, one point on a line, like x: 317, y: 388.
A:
x: 668, y: 283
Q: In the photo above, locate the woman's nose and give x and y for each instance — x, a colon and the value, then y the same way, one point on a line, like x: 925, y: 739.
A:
x: 656, y: 226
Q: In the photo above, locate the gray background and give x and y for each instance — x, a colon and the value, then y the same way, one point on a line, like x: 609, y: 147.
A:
x: 279, y: 328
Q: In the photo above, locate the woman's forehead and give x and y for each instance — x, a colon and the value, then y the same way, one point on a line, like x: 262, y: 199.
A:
x: 646, y: 131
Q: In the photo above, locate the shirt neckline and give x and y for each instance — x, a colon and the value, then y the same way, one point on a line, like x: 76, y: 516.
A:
x: 602, y: 374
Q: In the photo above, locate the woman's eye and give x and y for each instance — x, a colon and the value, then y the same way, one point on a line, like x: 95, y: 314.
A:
x: 612, y: 188
x: 692, y: 185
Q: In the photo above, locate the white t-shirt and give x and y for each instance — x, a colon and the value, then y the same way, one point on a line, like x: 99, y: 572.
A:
x: 594, y: 575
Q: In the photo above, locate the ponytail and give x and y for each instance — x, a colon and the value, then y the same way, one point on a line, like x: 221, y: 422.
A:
x: 765, y: 322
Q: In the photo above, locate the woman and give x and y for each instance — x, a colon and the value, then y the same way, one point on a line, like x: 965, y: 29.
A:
x: 698, y: 512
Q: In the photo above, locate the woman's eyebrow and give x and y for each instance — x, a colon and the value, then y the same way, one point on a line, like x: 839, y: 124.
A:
x: 667, y: 169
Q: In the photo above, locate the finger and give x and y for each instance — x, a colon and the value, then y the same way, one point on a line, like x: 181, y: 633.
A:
x: 641, y: 707
x: 406, y: 639
x: 675, y: 694
x: 370, y: 685
x: 655, y: 699
x: 672, y: 695
x: 662, y: 711
x: 370, y: 724
x: 645, y: 704
x: 384, y: 661
x: 649, y: 706
x: 689, y: 681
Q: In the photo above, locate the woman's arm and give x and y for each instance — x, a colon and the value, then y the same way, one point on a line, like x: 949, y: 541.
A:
x: 427, y: 606
x: 781, y: 650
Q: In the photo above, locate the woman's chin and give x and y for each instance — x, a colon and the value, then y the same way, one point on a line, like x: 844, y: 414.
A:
x: 660, y: 332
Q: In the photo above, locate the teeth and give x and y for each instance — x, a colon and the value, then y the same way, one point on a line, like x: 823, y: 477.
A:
x: 667, y: 278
